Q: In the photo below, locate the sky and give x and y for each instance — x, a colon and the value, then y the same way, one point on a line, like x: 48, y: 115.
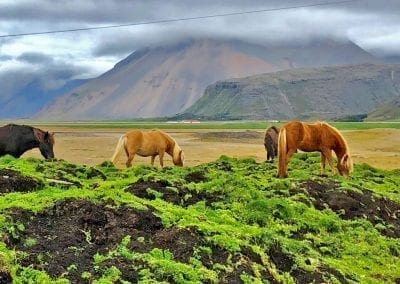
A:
x: 57, y: 57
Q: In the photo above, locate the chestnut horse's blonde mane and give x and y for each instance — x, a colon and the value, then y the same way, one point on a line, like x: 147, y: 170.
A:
x: 176, y: 149
x: 338, y: 134
x: 349, y: 162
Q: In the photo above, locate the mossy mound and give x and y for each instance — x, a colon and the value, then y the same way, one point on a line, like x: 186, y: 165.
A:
x: 228, y: 221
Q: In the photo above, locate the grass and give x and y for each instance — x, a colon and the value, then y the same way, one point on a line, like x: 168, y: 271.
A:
x: 255, y: 212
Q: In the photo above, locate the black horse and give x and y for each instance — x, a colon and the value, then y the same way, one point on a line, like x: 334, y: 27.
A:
x: 17, y: 139
x: 271, y: 142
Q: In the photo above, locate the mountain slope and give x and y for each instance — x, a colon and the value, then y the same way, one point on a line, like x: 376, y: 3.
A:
x: 386, y: 111
x: 30, y: 99
x: 322, y: 93
x: 165, y: 80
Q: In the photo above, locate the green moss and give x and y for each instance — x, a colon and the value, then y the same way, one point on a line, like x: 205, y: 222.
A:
x: 243, y: 206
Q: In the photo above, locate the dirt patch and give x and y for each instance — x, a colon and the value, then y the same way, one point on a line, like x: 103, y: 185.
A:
x: 13, y: 181
x: 286, y: 263
x: 5, y: 277
x: 351, y: 205
x: 196, y: 177
x: 73, y: 170
x: 174, y: 193
x: 71, y: 232
x: 224, y: 166
x: 62, y: 240
x: 181, y: 242
x: 243, y: 261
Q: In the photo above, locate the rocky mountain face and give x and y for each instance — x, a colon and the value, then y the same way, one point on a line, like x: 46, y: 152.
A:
x: 305, y: 93
x: 166, y: 80
x: 386, y: 111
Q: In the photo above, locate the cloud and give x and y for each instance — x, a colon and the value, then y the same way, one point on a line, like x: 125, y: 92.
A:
x: 49, y: 73
x: 372, y: 24
x: 35, y: 57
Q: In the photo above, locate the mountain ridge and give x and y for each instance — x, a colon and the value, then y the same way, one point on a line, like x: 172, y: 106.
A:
x: 305, y: 93
x: 166, y: 80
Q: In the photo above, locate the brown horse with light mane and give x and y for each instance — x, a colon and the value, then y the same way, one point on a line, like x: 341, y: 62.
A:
x: 320, y: 137
x: 148, y: 143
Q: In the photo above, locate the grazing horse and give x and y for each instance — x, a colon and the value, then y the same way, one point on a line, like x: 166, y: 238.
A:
x: 17, y: 139
x: 148, y: 143
x: 320, y: 137
x: 271, y: 142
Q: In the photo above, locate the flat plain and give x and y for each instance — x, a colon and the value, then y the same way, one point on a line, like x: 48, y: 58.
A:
x: 378, y: 147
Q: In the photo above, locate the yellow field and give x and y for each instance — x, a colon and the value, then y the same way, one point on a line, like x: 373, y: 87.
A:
x: 377, y: 147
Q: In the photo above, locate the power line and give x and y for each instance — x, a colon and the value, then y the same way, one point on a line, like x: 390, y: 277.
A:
x: 179, y: 19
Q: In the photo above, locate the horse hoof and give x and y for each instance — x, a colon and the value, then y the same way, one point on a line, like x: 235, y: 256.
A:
x: 284, y: 176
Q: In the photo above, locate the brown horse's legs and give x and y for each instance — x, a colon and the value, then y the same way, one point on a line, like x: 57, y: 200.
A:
x: 152, y: 159
x: 328, y: 156
x: 129, y: 161
x: 323, y: 160
x: 288, y: 156
x: 161, y: 154
x: 283, y: 170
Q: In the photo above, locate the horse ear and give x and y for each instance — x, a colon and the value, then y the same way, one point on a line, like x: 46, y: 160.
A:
x: 39, y: 135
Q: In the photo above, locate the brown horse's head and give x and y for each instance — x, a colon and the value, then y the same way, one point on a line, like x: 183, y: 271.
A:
x: 178, y: 157
x: 345, y: 165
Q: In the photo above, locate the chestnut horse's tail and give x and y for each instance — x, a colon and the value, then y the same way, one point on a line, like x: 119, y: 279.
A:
x: 282, y: 149
x: 118, y: 149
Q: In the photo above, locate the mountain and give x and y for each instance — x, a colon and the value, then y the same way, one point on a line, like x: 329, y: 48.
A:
x: 30, y: 99
x: 386, y: 111
x: 304, y: 93
x: 165, y: 80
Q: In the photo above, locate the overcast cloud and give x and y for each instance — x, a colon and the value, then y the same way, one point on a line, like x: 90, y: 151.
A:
x: 373, y: 25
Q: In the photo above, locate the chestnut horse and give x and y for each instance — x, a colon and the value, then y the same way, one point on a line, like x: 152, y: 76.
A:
x: 320, y: 137
x: 271, y: 142
x: 148, y: 143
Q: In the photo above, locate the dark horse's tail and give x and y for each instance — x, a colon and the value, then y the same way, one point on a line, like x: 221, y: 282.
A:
x: 118, y: 149
x: 282, y: 149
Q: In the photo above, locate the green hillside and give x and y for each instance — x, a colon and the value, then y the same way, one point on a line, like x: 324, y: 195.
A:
x: 228, y: 221
x: 305, y: 93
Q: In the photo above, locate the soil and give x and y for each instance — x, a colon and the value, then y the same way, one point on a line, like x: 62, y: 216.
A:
x: 13, y: 181
x: 73, y: 231
x: 173, y: 193
x: 68, y: 235
x: 5, y: 277
x: 351, y: 204
x: 286, y: 263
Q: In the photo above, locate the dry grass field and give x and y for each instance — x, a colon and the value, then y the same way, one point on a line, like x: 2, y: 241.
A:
x: 377, y: 147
